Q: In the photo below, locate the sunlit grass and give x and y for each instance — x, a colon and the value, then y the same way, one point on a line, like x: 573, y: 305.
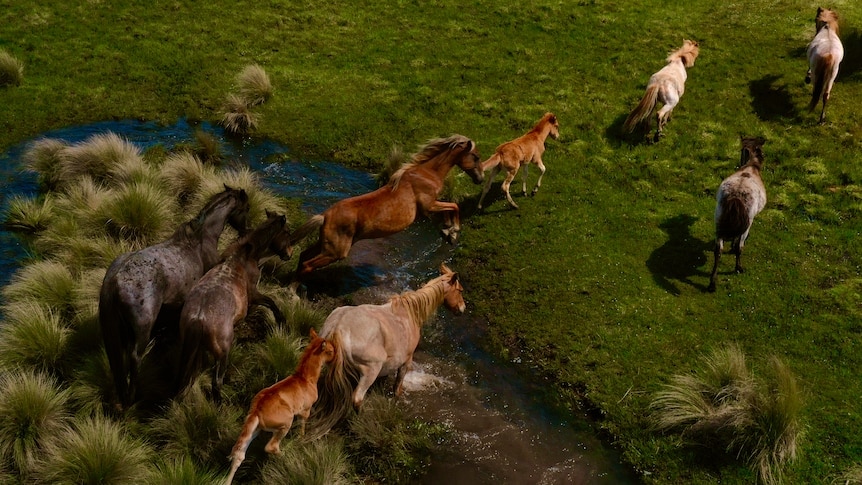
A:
x: 11, y: 70
x: 254, y: 85
x: 33, y: 410
x: 94, y: 451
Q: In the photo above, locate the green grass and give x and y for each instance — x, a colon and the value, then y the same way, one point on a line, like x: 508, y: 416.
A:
x: 596, y: 282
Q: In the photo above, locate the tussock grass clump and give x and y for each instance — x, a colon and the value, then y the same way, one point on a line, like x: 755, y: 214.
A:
x: 94, y: 450
x: 321, y: 462
x: 182, y: 472
x: 853, y: 476
x: 43, y: 156
x: 11, y: 70
x: 207, y: 147
x: 254, y: 85
x: 91, y: 385
x: 725, y: 405
x: 195, y: 427
x: 97, y: 156
x: 33, y: 409
x: 29, y: 215
x: 48, y: 282
x: 34, y: 337
x: 184, y: 172
x: 393, y: 162
x: 140, y: 213
x: 238, y: 118
x: 262, y: 364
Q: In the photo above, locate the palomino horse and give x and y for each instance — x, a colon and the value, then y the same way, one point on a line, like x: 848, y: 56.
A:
x: 379, y: 340
x: 825, y: 53
x: 274, y: 408
x: 141, y: 285
x: 519, y: 152
x: 740, y: 197
x: 412, y: 190
x: 666, y: 87
x: 221, y: 298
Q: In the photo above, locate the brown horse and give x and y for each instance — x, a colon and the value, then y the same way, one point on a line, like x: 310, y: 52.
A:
x: 144, y: 286
x: 220, y: 299
x: 411, y: 191
x: 274, y: 408
x: 740, y: 198
x: 667, y: 87
x: 379, y: 340
x: 825, y: 53
x: 518, y: 153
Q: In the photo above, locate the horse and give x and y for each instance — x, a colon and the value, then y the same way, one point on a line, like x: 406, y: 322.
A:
x: 379, y: 340
x: 141, y: 286
x: 412, y: 190
x: 825, y: 53
x: 740, y: 198
x: 666, y: 87
x: 220, y: 299
x: 273, y: 409
x: 518, y: 153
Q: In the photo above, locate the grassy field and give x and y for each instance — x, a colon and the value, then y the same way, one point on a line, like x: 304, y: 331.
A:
x: 599, y: 280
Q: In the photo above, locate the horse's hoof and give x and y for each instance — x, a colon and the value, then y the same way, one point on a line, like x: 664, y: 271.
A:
x: 711, y: 288
x: 808, y: 79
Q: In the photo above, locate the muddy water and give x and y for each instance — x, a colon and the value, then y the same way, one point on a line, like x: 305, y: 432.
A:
x: 504, y: 431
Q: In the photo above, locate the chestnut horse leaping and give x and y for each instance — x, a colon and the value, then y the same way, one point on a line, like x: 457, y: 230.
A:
x: 666, y: 87
x: 274, y: 408
x: 825, y: 53
x: 518, y: 153
x: 411, y: 191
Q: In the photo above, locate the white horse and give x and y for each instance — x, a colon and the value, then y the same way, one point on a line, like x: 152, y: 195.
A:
x: 825, y: 53
x: 666, y: 87
x: 378, y: 340
x: 740, y: 198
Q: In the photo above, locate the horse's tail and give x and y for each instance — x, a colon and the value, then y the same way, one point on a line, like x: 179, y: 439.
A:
x: 491, y: 162
x: 304, y: 230
x: 643, y: 110
x: 335, y: 389
x: 248, y: 433
x: 733, y: 220
x: 114, y: 325
x: 822, y: 66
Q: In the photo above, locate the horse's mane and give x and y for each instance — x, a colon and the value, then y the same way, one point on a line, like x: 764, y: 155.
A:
x: 688, y: 53
x: 829, y: 18
x: 422, y: 303
x: 432, y: 149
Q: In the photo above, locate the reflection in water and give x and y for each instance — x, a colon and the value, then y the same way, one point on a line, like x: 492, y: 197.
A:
x: 503, y: 430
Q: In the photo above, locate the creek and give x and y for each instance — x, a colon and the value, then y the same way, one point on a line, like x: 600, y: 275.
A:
x: 504, y: 431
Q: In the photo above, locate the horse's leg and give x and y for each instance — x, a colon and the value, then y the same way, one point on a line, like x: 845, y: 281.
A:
x: 716, y: 256
x: 738, y: 245
x: 249, y: 432
x: 510, y: 175
x: 494, y: 172
x: 220, y: 368
x: 304, y: 414
x: 452, y: 219
x: 142, y: 341
x: 273, y: 447
x: 525, y: 168
x: 369, y: 374
x: 541, y: 173
x: 399, y: 376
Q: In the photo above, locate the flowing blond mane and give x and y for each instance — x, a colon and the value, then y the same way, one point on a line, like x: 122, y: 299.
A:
x: 432, y: 149
x: 827, y: 17
x: 688, y: 53
x: 422, y: 303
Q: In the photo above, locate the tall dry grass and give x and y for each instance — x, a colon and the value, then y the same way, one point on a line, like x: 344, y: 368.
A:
x: 11, y: 70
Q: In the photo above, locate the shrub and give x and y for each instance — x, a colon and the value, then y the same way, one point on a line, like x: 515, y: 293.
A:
x: 94, y: 451
x: 725, y: 405
x: 32, y: 409
x: 11, y: 70
x: 254, y: 85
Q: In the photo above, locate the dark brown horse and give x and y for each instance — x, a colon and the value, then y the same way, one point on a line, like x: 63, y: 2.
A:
x: 411, y: 191
x: 220, y: 299
x: 274, y: 408
x: 141, y: 285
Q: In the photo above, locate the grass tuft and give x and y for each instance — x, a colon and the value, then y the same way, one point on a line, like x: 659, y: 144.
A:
x: 181, y: 471
x: 97, y: 157
x: 254, y: 85
x: 43, y: 157
x: 140, y: 213
x: 11, y: 70
x: 33, y: 336
x: 321, y: 462
x: 238, y: 118
x: 48, y: 282
x: 29, y: 215
x: 95, y: 450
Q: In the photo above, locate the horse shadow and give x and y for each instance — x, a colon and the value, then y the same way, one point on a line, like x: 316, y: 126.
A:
x: 851, y: 65
x: 772, y: 101
x: 678, y: 259
x: 618, y: 137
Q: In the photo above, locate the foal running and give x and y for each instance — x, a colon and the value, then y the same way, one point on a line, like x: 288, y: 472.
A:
x: 274, y: 408
x: 740, y: 197
x: 666, y: 87
x: 825, y: 53
x: 518, y: 153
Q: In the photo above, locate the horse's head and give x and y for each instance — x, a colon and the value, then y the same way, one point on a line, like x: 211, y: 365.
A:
x: 324, y: 348
x: 826, y: 17
x: 752, y: 150
x: 470, y: 161
x: 453, y: 296
x: 238, y: 216
x: 689, y: 52
x: 553, y: 124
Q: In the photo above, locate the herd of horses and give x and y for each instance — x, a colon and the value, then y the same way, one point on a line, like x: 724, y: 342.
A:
x: 185, y: 283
